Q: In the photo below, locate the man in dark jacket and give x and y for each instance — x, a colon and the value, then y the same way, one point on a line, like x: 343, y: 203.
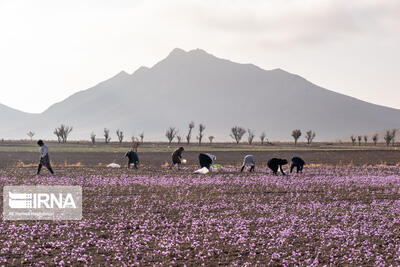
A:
x: 44, y: 157
x: 275, y: 163
x: 206, y: 160
x: 177, y: 158
x: 298, y: 163
x: 133, y: 158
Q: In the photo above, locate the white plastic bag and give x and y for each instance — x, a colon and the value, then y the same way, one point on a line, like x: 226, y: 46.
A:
x: 113, y: 165
x: 203, y: 170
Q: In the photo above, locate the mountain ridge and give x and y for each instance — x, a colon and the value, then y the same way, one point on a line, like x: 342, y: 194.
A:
x: 199, y: 86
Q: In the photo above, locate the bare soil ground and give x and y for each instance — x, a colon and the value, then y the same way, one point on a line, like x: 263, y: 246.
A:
x: 230, y: 158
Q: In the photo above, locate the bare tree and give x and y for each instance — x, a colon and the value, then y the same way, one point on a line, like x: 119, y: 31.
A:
x: 179, y: 138
x: 394, y: 131
x: 141, y: 137
x: 365, y: 139
x: 62, y: 132
x: 359, y: 138
x: 262, y: 137
x: 202, y: 127
x: 93, y: 138
x: 310, y: 135
x: 120, y: 135
x: 171, y: 134
x: 107, y: 137
x: 237, y: 133
x: 58, y: 134
x: 211, y: 138
x: 189, y: 135
x: 135, y: 143
x: 388, y: 137
x: 375, y: 138
x: 296, y: 135
x: 250, y: 136
x: 30, y: 134
x: 65, y: 130
x: 353, y: 139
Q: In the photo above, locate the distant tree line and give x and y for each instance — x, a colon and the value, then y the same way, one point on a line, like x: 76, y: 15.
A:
x: 389, y: 137
x: 120, y: 136
x: 237, y: 133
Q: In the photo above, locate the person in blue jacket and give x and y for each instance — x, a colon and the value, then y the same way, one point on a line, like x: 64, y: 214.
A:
x: 133, y: 158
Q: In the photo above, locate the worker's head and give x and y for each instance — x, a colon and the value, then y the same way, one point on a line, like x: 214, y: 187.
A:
x: 181, y: 148
x: 40, y: 143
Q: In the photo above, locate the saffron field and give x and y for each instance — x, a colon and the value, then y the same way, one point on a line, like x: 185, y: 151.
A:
x: 327, y: 216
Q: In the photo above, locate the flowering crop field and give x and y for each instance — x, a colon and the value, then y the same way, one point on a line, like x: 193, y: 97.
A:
x: 326, y: 216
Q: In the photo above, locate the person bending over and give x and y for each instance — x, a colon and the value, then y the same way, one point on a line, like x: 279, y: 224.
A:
x: 206, y: 160
x: 133, y: 158
x: 248, y: 161
x: 276, y: 163
x: 298, y: 163
x: 44, y: 157
x: 177, y: 158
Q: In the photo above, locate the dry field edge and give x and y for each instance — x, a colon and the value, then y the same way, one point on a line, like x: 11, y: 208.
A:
x: 15, y: 146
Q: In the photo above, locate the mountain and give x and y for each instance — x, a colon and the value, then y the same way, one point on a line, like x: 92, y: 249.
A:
x: 197, y: 86
x: 12, y: 119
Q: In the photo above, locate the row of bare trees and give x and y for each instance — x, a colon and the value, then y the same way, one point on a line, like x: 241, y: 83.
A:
x: 118, y: 132
x: 236, y: 134
x: 389, y: 137
x: 364, y: 139
x: 310, y: 135
x: 62, y: 132
x: 171, y: 133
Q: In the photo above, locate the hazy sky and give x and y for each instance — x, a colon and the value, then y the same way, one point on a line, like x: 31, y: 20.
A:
x: 50, y: 49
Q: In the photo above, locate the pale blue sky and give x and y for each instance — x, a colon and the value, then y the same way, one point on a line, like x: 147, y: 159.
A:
x: 51, y: 49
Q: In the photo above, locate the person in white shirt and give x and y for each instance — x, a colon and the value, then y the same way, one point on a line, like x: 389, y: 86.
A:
x: 248, y: 161
x: 44, y: 157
